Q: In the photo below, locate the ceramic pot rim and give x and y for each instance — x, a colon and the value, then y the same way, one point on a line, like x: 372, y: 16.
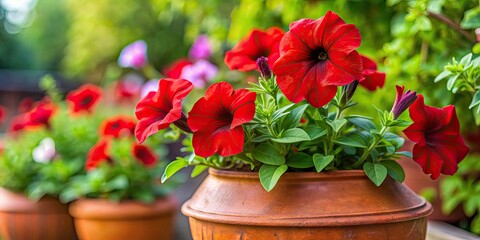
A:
x: 102, y: 209
x: 289, y: 175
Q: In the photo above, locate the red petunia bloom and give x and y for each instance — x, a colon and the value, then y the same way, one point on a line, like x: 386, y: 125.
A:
x: 98, y: 154
x: 84, y: 98
x: 371, y: 78
x: 159, y: 109
x: 216, y: 120
x: 316, y: 56
x: 118, y: 126
x: 18, y: 123
x: 439, y: 147
x: 3, y: 113
x: 244, y: 55
x: 175, y: 69
x: 144, y: 155
x: 26, y: 105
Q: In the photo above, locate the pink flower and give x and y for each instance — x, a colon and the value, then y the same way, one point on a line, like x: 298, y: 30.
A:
x: 199, y: 73
x: 201, y: 48
x: 134, y: 55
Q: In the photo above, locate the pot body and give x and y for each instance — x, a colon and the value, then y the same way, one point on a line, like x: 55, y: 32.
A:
x: 337, y: 205
x: 22, y: 218
x: 104, y: 220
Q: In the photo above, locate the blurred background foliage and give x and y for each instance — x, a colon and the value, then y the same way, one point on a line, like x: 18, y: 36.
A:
x: 411, y: 40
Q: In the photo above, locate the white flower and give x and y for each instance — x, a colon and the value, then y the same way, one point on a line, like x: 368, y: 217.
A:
x: 45, y: 151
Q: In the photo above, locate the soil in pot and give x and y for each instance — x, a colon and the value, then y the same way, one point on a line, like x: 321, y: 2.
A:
x: 22, y: 218
x: 98, y: 219
x: 337, y: 205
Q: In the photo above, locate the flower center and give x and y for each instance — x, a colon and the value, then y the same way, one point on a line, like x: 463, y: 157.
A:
x: 322, y: 55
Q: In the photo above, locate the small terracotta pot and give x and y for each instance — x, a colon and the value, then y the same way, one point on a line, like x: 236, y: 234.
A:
x: 104, y: 220
x: 336, y: 205
x: 22, y: 218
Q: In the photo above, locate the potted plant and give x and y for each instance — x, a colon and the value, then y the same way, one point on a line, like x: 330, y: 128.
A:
x: 325, y: 174
x: 41, y: 152
x: 121, y: 195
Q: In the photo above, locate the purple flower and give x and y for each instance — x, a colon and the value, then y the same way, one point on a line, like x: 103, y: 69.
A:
x: 201, y: 48
x: 262, y: 65
x: 150, y: 86
x: 402, y: 101
x: 133, y: 55
x: 199, y: 73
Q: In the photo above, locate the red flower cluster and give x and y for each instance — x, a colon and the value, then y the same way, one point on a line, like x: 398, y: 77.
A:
x: 98, y: 154
x: 158, y: 109
x: 144, y: 155
x: 38, y: 116
x: 439, y: 147
x: 259, y: 43
x: 117, y: 127
x: 84, y: 98
x: 3, y: 113
x: 317, y: 56
x: 215, y: 119
x: 371, y: 78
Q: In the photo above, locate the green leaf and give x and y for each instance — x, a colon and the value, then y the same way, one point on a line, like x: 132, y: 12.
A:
x: 376, y: 172
x: 173, y: 168
x: 404, y: 153
x: 442, y: 75
x: 315, y: 131
x: 475, y: 100
x: 466, y: 59
x: 197, y: 170
x: 270, y: 174
x: 293, y: 118
x: 363, y: 123
x: 119, y: 182
x: 394, y: 170
x: 352, y: 140
x: 262, y: 138
x: 321, y: 161
x: 471, y: 19
x: 400, y: 123
x: 423, y: 23
x: 281, y: 112
x: 300, y: 160
x: 292, y: 135
x: 451, y: 81
x: 337, y: 124
x: 475, y: 225
x: 268, y: 154
x: 396, y: 140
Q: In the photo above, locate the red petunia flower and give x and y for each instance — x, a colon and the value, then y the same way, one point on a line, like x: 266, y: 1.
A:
x: 175, y: 69
x: 3, y: 113
x: 371, y: 78
x: 84, y: 98
x: 439, y: 147
x: 18, y: 123
x: 144, y: 155
x: 26, y: 105
x: 98, y: 154
x: 158, y: 109
x: 316, y: 56
x: 118, y: 126
x: 244, y: 55
x: 216, y: 120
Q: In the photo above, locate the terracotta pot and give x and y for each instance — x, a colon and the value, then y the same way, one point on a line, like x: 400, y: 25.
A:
x: 104, y: 220
x: 337, y: 205
x: 22, y: 218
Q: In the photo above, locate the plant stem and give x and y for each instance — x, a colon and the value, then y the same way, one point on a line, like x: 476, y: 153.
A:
x: 442, y: 18
x: 370, y: 148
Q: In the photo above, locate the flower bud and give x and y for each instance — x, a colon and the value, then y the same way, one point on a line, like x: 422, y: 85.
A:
x: 349, y: 90
x: 262, y: 64
x: 477, y: 32
x: 182, y: 123
x: 402, y: 101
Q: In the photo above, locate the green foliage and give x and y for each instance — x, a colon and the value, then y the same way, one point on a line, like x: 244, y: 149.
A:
x: 464, y: 189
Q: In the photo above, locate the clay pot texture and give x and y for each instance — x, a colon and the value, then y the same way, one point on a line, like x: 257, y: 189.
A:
x: 334, y: 205
x: 22, y: 218
x: 99, y: 219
